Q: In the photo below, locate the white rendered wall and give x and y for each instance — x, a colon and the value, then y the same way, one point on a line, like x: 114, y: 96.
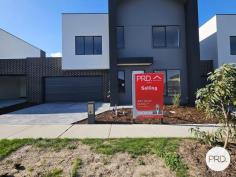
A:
x: 12, y: 47
x: 84, y: 25
x: 226, y: 26
x: 208, y: 41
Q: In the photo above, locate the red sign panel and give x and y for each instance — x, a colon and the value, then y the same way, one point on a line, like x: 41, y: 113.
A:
x: 149, y: 95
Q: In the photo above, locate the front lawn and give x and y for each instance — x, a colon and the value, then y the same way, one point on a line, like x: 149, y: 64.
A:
x: 114, y: 157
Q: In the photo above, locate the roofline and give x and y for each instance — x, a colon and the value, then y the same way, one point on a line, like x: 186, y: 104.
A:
x: 22, y: 40
x: 83, y: 13
x: 224, y: 14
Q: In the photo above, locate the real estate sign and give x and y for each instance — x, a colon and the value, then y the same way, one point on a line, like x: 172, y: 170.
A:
x: 148, y: 95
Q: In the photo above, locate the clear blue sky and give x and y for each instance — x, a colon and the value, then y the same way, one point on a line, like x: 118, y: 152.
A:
x: 39, y: 21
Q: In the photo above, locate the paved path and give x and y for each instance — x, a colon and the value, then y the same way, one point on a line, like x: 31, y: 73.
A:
x: 99, y: 131
x: 51, y: 114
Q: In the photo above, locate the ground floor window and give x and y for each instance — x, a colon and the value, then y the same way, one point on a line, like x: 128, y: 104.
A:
x: 121, y: 81
x: 172, y: 81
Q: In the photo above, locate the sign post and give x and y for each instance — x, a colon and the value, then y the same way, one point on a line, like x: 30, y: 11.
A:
x: 148, y: 96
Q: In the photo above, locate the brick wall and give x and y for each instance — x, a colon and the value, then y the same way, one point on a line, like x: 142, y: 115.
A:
x: 36, y: 69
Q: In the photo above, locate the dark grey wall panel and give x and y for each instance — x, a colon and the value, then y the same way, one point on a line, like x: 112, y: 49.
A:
x: 59, y: 89
x: 13, y: 67
x: 193, y: 49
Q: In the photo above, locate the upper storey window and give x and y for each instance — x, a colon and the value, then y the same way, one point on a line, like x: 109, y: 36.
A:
x: 166, y: 36
x: 120, y: 37
x: 233, y: 45
x: 88, y: 45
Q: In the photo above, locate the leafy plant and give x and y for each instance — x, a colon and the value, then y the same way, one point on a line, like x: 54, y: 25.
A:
x: 208, y: 138
x: 218, y: 99
x: 176, y: 100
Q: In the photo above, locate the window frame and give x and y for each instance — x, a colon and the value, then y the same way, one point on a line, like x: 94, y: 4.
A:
x: 120, y: 90
x: 166, y: 84
x: 83, y: 53
x: 101, y: 45
x: 166, y: 46
x: 231, y: 53
x: 180, y: 83
x: 123, y: 37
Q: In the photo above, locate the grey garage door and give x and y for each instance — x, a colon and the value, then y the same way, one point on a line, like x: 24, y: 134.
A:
x: 59, y: 89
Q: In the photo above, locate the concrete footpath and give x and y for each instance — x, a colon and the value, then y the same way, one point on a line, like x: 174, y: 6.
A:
x: 99, y: 131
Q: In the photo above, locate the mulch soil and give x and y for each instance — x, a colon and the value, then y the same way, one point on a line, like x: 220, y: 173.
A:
x: 172, y: 115
x: 194, y: 155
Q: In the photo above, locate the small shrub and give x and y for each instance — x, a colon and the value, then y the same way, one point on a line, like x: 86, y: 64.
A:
x: 217, y: 99
x: 211, y: 139
x: 176, y: 100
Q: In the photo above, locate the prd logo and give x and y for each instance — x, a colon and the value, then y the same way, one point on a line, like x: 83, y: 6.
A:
x: 149, y: 78
x: 218, y: 159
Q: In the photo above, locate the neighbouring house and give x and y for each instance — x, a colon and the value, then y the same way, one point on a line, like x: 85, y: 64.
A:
x: 101, y: 52
x: 218, y: 40
x: 11, y: 47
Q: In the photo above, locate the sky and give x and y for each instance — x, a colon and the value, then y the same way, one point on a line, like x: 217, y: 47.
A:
x: 39, y: 21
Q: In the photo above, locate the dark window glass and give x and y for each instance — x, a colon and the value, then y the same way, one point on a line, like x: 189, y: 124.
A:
x: 98, y: 45
x: 159, y: 36
x: 164, y: 72
x: 79, y: 45
x: 121, y: 81
x: 173, y: 82
x: 172, y: 36
x: 88, y: 45
x: 120, y: 39
x: 233, y: 45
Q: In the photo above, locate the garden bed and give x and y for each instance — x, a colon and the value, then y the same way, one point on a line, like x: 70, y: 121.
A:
x: 172, y: 115
x: 194, y: 154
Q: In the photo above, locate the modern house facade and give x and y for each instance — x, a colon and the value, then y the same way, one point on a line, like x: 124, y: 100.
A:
x: 137, y: 36
x: 101, y: 52
x: 13, y: 86
x: 218, y: 39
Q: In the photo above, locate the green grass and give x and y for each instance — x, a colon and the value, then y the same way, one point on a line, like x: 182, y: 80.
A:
x: 54, y: 173
x: 163, y: 148
x: 9, y: 146
x: 55, y: 144
x: 76, y: 165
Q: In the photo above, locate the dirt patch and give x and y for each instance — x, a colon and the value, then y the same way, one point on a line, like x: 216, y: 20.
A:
x: 33, y: 161
x: 172, y: 115
x: 194, y: 155
x: 36, y: 162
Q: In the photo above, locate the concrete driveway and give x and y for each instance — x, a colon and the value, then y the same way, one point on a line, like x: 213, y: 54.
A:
x: 51, y: 114
x: 11, y: 102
